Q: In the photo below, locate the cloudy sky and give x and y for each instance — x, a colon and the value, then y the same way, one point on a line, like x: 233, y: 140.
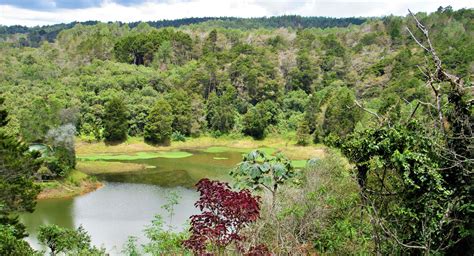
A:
x: 42, y: 12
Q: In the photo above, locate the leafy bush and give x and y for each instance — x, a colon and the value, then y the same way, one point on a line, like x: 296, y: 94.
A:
x: 178, y: 136
x: 259, y: 171
x: 130, y: 247
x: 61, y: 161
x: 164, y: 241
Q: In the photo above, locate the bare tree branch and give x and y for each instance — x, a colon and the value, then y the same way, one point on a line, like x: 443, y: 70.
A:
x: 366, y: 110
x: 413, y: 112
x: 416, y: 40
x: 439, y: 75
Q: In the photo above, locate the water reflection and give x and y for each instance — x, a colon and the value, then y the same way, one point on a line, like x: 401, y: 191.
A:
x: 184, y: 172
x: 112, y: 213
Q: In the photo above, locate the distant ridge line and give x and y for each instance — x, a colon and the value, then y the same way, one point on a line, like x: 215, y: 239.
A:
x: 38, y: 34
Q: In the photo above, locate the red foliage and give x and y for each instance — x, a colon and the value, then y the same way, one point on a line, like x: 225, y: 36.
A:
x: 224, y: 214
x: 259, y: 250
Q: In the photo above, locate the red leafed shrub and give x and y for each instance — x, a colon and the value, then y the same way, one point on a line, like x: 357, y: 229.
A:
x: 259, y: 250
x: 224, y: 214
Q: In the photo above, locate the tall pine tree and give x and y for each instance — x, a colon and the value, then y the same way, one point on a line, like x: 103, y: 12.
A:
x: 158, y: 127
x: 17, y: 189
x: 115, y: 121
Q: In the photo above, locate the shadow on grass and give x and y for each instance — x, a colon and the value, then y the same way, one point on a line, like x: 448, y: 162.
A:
x: 114, y: 143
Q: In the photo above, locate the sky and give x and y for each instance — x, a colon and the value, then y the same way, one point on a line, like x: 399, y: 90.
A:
x: 44, y: 12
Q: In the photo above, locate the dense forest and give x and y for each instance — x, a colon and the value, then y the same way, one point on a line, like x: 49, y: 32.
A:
x: 33, y: 36
x: 392, y: 103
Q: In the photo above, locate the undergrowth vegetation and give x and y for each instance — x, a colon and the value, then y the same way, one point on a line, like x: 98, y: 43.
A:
x: 322, y: 214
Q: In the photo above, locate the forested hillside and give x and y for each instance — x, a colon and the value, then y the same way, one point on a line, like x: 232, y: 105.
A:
x: 364, y: 88
x: 218, y: 80
x: 26, y: 36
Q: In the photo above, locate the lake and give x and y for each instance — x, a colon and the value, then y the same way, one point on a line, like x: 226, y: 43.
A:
x: 129, y: 201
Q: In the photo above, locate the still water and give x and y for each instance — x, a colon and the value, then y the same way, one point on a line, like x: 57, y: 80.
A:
x: 128, y: 201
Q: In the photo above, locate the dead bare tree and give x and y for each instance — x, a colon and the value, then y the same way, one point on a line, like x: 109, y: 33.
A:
x: 436, y: 77
x: 456, y: 150
x: 461, y: 122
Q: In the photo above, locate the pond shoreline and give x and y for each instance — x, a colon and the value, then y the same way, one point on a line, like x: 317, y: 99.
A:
x: 93, y: 159
x: 70, y: 187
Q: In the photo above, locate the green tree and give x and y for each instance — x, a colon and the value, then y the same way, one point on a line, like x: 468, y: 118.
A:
x: 11, y: 245
x: 199, y: 122
x: 158, y: 128
x: 221, y: 112
x: 39, y: 118
x: 313, y: 110
x: 115, y: 120
x: 303, y: 75
x: 132, y: 49
x: 271, y: 110
x: 91, y: 125
x: 333, y: 46
x: 67, y: 241
x: 142, y: 45
x: 17, y: 169
x: 181, y: 110
x: 255, y: 122
x: 295, y: 101
x: 415, y: 178
x: 210, y: 46
x: 394, y: 29
x: 302, y: 134
x: 164, y: 54
x: 341, y: 114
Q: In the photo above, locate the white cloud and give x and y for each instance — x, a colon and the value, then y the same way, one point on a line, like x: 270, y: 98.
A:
x: 153, y: 10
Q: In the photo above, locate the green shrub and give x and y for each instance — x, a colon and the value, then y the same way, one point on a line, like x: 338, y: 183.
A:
x: 178, y: 136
